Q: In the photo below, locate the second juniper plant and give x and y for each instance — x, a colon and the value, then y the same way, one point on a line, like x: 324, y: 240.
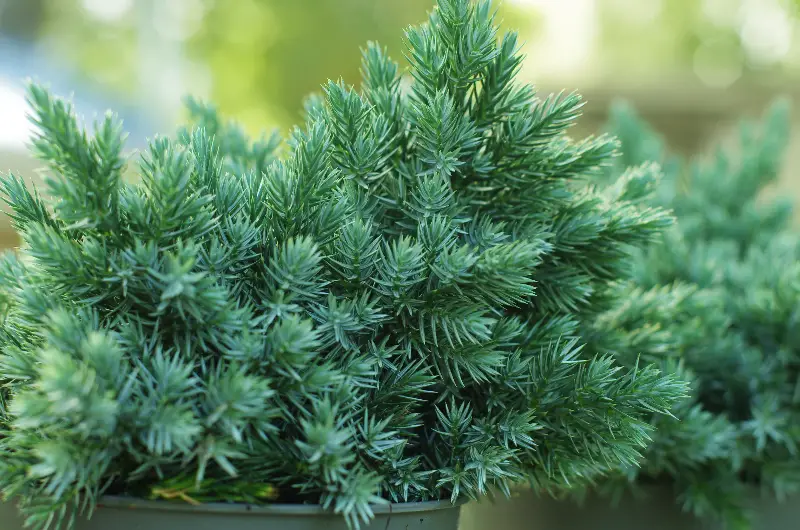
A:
x: 730, y: 267
x: 389, y: 310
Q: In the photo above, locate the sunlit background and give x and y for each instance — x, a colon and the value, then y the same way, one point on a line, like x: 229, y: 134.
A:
x: 691, y: 66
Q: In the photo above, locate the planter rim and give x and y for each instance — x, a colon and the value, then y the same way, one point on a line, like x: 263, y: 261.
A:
x: 313, y: 510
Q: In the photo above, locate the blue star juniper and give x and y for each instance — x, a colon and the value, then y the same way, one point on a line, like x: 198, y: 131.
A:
x: 387, y: 307
x: 720, y: 297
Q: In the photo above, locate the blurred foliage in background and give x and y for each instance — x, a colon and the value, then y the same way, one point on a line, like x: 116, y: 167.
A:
x: 258, y: 58
x: 719, y: 41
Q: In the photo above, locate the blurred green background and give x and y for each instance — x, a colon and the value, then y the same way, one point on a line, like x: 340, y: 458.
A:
x: 692, y: 67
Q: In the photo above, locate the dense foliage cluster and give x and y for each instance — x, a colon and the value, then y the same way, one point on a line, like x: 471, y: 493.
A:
x: 726, y: 287
x: 389, y: 309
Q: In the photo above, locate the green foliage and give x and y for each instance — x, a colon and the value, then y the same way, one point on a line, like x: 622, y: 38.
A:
x: 392, y: 309
x: 732, y: 257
